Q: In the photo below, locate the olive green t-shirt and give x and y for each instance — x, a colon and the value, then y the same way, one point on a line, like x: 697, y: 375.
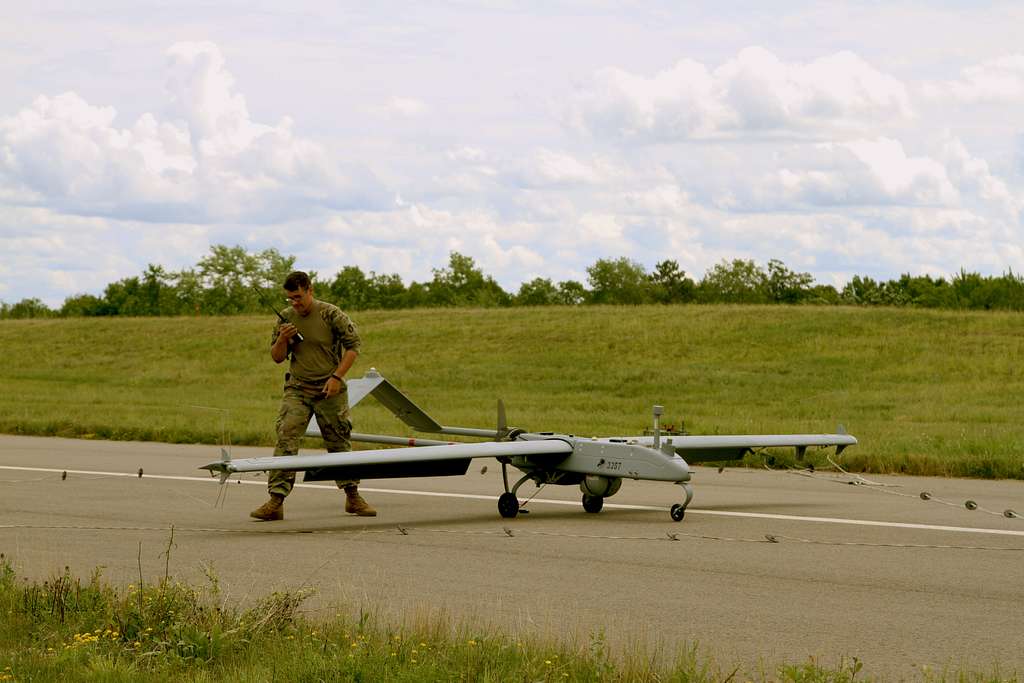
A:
x: 327, y: 333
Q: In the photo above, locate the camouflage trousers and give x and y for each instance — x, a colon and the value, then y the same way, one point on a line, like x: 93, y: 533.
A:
x: 298, y: 405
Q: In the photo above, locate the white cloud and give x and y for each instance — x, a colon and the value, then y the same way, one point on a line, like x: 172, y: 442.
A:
x: 406, y: 106
x: 58, y: 255
x: 975, y: 177
x: 209, y: 162
x: 466, y: 153
x: 546, y: 168
x: 995, y: 80
x: 877, y: 171
x: 877, y: 160
x: 413, y: 240
x: 754, y: 93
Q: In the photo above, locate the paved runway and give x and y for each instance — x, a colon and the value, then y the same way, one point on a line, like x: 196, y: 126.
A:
x: 873, y: 572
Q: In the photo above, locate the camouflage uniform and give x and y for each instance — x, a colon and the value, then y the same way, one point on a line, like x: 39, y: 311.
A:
x: 327, y: 334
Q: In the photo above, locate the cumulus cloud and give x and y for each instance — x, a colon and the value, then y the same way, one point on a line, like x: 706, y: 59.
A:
x: 207, y: 161
x: 546, y: 168
x: 857, y: 172
x: 995, y: 80
x: 51, y: 255
x: 405, y: 106
x: 754, y: 93
x: 414, y: 239
x: 974, y: 176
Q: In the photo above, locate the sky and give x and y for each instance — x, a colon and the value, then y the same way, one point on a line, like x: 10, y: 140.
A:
x: 842, y: 138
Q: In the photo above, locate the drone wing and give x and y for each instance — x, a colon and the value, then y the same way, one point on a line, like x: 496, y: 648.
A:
x: 695, y: 449
x: 385, y: 463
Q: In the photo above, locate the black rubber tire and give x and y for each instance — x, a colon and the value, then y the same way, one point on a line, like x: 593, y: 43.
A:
x: 592, y: 503
x: 508, y: 505
x: 677, y: 512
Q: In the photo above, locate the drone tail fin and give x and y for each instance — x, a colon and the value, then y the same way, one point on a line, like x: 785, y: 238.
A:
x: 840, y: 429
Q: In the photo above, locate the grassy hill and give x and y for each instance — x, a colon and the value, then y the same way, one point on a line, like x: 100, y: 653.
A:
x: 927, y: 392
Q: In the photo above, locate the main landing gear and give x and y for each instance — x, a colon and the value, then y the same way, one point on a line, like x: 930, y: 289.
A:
x: 592, y: 503
x: 508, y: 504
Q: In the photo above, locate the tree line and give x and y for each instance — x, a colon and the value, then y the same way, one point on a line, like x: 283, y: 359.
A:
x: 231, y: 281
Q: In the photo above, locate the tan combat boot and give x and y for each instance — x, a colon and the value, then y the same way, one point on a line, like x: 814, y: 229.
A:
x: 355, y: 504
x: 270, y: 511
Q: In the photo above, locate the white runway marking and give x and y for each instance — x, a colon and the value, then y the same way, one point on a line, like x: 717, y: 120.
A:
x: 546, y: 501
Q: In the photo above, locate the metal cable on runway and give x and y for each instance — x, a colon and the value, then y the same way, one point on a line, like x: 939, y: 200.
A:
x: 177, y: 529
x: 857, y: 480
x: 865, y: 544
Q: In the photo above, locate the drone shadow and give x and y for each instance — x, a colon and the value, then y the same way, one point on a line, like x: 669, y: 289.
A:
x: 463, y: 521
x: 760, y: 507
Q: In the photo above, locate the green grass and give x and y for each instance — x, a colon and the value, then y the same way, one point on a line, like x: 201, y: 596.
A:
x: 925, y: 392
x: 68, y: 629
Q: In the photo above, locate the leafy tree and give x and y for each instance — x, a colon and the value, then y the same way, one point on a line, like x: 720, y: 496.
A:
x: 670, y: 285
x: 927, y: 291
x: 537, y: 292
x: 229, y: 274
x: 387, y: 291
x: 350, y: 289
x: 462, y: 283
x: 157, y: 292
x: 739, y: 282
x: 353, y: 290
x: 187, y: 293
x: 786, y: 286
x: 122, y: 297
x: 823, y: 294
x: 1003, y: 292
x: 26, y: 308
x: 83, y: 305
x: 571, y: 293
x: 866, y: 291
x: 417, y: 296
x: 618, y: 281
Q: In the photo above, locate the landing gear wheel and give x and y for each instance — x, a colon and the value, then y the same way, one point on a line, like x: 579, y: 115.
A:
x: 592, y: 503
x: 677, y: 512
x: 508, y: 505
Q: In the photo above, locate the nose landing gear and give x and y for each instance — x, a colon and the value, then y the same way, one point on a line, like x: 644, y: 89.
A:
x: 678, y: 511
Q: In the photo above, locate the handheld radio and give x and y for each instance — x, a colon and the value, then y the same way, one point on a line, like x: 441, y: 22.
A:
x: 298, y: 335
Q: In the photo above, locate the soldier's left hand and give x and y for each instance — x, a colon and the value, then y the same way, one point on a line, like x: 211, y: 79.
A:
x: 331, y: 387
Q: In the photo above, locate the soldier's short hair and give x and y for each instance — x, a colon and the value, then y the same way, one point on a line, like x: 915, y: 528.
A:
x: 296, y: 280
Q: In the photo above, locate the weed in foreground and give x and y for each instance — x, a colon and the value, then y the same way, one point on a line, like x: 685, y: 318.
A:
x: 66, y: 628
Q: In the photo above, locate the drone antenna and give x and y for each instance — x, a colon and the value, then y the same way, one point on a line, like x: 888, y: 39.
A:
x: 225, y: 452
x: 658, y: 410
x: 502, y: 421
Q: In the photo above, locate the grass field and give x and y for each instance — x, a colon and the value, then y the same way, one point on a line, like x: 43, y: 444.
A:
x: 69, y: 629
x: 925, y: 392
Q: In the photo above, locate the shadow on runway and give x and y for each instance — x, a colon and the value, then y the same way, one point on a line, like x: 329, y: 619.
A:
x: 489, y: 522
x: 777, y: 508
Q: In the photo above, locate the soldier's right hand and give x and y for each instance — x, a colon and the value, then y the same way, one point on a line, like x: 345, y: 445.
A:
x: 288, y: 330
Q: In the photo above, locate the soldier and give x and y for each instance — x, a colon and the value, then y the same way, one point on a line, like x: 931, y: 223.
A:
x: 314, y: 385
